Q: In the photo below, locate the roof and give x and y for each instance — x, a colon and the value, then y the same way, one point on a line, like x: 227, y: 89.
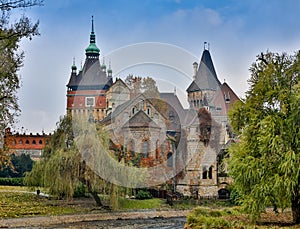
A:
x: 91, y: 77
x: 206, y: 77
x: 224, y: 99
x: 141, y: 120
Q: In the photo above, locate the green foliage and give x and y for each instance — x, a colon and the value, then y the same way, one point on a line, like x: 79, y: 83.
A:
x: 265, y: 162
x: 62, y: 169
x: 210, y: 218
x: 18, y: 181
x: 133, y: 204
x: 143, y: 195
x: 20, y: 164
x: 11, y: 57
x: 20, y: 204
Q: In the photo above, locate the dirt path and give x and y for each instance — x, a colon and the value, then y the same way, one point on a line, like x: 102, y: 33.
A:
x: 47, y: 221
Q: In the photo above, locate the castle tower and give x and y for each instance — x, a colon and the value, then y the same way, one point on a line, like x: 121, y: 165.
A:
x: 86, y: 90
x: 205, y: 83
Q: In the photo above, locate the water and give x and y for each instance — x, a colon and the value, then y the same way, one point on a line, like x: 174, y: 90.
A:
x: 154, y: 223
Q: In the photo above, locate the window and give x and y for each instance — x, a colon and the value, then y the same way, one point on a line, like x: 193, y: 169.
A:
x: 210, y: 172
x: 20, y: 142
x: 34, y: 142
x: 89, y: 101
x: 169, y: 160
x: 40, y: 142
x: 204, y: 172
x: 133, y: 110
x: 157, y: 150
x: 145, y: 149
x: 171, y: 116
x: 131, y: 147
x: 27, y: 142
x: 148, y: 111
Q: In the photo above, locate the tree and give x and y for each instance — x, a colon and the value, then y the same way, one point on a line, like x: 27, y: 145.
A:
x: 11, y: 59
x: 149, y: 88
x: 62, y: 168
x: 20, y: 164
x: 265, y: 163
x: 138, y: 85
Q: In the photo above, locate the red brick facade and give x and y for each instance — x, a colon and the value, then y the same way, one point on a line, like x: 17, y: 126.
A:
x: 32, y: 144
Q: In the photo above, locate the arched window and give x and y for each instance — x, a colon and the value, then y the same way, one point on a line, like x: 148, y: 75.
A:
x: 171, y: 116
x: 34, y: 142
x: 210, y: 172
x: 148, y: 111
x: 133, y: 110
x: 21, y: 142
x: 157, y: 150
x: 27, y: 142
x: 40, y: 142
x: 145, y: 149
x: 204, y: 172
x: 132, y: 147
x: 169, y: 160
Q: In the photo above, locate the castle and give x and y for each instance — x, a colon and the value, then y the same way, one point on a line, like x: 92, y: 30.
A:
x: 157, y: 130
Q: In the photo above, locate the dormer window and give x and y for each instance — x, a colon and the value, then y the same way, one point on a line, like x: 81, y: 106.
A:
x: 171, y: 116
x: 227, y: 97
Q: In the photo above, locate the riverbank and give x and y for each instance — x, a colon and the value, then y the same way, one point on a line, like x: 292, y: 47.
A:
x: 77, y: 219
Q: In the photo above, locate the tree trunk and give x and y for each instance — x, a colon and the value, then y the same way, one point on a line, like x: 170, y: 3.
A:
x: 94, y: 195
x: 97, y: 198
x: 296, y: 208
x: 113, y: 197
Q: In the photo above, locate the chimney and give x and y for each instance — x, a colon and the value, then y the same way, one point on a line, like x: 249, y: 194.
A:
x: 195, y: 65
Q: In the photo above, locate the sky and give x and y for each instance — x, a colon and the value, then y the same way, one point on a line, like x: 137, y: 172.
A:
x: 157, y: 38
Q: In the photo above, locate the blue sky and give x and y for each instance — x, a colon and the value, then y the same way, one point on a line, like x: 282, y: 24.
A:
x: 236, y: 30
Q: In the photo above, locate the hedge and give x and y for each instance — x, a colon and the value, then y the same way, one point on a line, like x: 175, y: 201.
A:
x: 12, y: 181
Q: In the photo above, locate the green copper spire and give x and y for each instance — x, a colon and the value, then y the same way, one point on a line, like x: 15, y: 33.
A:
x: 92, y: 48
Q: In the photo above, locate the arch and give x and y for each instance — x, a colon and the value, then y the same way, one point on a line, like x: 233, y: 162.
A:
x: 40, y: 142
x: 133, y: 110
x: 170, y: 159
x: 210, y: 172
x: 157, y: 150
x: 145, y: 149
x: 223, y: 193
x: 34, y: 142
x: 27, y: 142
x: 204, y: 172
x: 132, y: 147
x: 21, y: 142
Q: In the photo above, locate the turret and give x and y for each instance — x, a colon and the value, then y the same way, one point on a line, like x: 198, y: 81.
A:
x: 195, y: 65
x: 74, y: 68
x: 92, y: 50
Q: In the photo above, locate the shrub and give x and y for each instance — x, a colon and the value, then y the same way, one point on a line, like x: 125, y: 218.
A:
x: 12, y: 181
x: 143, y: 195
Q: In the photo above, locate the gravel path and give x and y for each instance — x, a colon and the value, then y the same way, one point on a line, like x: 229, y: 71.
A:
x: 95, y: 220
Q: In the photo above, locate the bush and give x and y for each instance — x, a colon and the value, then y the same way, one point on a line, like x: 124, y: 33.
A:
x: 143, y: 195
x: 207, y: 222
x: 12, y: 181
x: 79, y: 190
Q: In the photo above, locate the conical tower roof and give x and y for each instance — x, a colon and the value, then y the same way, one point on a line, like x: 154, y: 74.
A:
x: 91, y: 77
x: 206, y: 77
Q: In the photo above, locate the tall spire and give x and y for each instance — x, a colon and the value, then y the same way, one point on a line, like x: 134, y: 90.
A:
x: 92, y: 48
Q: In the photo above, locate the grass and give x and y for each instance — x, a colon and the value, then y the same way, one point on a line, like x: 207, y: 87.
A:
x: 133, y: 204
x: 18, y: 204
x: 16, y: 201
x: 232, y: 217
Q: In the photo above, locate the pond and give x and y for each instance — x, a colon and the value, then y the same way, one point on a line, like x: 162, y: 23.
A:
x: 153, y: 223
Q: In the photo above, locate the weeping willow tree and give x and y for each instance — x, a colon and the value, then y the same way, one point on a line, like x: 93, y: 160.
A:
x: 64, y: 167
x: 265, y: 163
